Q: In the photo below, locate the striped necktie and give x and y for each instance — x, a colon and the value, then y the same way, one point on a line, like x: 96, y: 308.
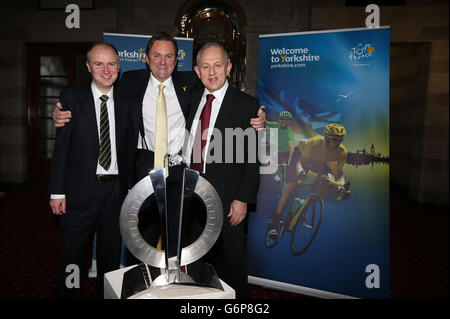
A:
x: 105, y: 141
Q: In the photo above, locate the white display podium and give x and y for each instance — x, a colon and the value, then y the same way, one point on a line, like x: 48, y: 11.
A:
x: 113, y: 288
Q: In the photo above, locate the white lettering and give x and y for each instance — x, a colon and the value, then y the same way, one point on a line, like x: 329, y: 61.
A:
x: 197, y: 309
x: 373, y: 19
x: 73, y: 279
x: 373, y: 280
x: 73, y: 19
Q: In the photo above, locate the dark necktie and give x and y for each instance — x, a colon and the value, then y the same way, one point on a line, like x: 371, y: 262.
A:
x: 105, y: 141
x: 204, y: 120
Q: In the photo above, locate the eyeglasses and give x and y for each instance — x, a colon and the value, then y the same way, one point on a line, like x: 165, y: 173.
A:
x: 335, y: 139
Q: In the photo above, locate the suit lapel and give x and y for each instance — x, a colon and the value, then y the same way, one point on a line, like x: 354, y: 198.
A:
x: 89, y: 111
x: 226, y: 110
x: 181, y: 89
x: 194, y: 103
x: 224, y: 117
x: 140, y: 100
x: 137, y: 103
x: 118, y: 117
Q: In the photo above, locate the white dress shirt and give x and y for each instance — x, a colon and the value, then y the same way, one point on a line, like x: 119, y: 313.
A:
x: 113, y: 169
x: 216, y: 104
x: 176, y: 123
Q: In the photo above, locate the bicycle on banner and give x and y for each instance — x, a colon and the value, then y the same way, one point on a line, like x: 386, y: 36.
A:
x: 304, y: 216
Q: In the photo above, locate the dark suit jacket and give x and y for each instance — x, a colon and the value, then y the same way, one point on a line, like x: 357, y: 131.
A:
x: 76, y: 151
x: 134, y: 85
x: 232, y: 180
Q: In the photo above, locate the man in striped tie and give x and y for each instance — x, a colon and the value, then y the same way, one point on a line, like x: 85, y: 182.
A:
x: 89, y: 176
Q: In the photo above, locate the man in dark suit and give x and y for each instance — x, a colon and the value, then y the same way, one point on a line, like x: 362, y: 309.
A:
x: 89, y: 175
x: 235, y: 181
x: 141, y: 88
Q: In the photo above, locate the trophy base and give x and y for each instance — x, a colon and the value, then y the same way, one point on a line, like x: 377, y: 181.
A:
x: 146, y: 282
x: 198, y: 274
x: 181, y: 291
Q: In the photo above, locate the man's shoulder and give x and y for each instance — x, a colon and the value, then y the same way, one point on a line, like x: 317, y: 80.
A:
x: 76, y: 90
x: 245, y: 98
x: 315, y: 140
x: 185, y: 78
x: 184, y: 75
x: 73, y: 98
x: 135, y: 74
x: 133, y: 82
x: 290, y: 131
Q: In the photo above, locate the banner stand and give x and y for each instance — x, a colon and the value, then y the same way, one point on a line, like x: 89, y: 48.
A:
x: 296, y: 289
x: 324, y: 233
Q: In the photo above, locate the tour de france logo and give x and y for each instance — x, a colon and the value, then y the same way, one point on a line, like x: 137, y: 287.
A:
x: 362, y: 53
x: 181, y: 55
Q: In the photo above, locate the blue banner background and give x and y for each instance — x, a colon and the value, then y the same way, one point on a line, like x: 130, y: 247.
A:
x: 348, y: 83
x: 132, y: 47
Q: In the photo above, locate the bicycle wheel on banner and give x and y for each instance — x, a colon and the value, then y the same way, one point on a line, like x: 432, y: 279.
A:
x: 307, y: 225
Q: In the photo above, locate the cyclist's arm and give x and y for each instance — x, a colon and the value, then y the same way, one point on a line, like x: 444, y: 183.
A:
x: 336, y: 172
x: 338, y: 169
x: 291, y: 148
x: 291, y: 142
x: 333, y: 178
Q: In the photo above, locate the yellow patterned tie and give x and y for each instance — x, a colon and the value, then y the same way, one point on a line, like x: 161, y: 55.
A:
x: 161, y: 143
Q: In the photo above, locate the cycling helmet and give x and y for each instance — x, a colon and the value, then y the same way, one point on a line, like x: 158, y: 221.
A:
x: 285, y: 115
x: 335, y: 130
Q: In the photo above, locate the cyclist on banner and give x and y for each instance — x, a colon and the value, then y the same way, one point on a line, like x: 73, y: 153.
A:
x: 320, y: 154
x: 285, y: 137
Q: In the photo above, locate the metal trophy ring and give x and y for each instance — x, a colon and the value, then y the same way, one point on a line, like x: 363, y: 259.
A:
x: 155, y: 257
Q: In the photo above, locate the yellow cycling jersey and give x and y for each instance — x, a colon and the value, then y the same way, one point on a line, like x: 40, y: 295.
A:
x: 313, y: 151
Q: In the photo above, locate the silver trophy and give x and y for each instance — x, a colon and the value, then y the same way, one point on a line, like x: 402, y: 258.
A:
x: 159, y: 268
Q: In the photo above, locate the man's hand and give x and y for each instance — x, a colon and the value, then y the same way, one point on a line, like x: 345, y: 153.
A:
x: 237, y: 213
x: 58, y: 206
x: 260, y: 121
x: 61, y: 117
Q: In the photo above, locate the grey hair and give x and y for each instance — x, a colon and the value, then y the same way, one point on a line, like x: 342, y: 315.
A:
x: 213, y: 44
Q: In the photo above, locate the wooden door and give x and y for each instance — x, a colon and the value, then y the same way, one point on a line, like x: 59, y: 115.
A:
x: 51, y: 69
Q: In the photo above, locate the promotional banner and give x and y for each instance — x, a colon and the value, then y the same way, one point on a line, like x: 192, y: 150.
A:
x: 131, y: 48
x: 316, y: 231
